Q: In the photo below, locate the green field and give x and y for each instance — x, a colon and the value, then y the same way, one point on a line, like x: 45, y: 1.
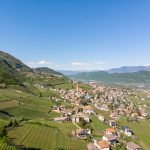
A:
x: 4, y: 146
x: 141, y: 131
x: 7, y: 104
x: 2, y: 124
x: 25, y: 112
x: 98, y: 127
x: 45, y: 138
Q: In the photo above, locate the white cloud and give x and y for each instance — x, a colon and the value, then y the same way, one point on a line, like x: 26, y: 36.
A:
x: 75, y: 65
x: 94, y: 65
x: 79, y: 64
x: 99, y: 62
x: 42, y: 63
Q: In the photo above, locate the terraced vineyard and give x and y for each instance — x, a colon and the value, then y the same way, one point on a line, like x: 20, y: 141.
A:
x: 25, y: 112
x: 2, y: 124
x: 4, y: 146
x: 7, y: 104
x: 98, y: 127
x: 45, y: 138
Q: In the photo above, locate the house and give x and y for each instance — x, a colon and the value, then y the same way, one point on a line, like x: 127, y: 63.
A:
x: 133, y: 146
x: 112, y: 123
x: 88, y: 110
x: 102, y: 145
x: 77, y: 117
x: 110, y: 138
x: 110, y: 131
x: 80, y: 133
x: 114, y: 115
x: 66, y: 112
x: 101, y: 118
x: 62, y: 119
x: 127, y: 131
x: 56, y: 109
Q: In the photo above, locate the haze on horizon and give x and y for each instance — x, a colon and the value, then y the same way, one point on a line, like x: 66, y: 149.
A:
x: 76, y: 35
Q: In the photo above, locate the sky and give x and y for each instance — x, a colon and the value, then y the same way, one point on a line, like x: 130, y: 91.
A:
x: 76, y: 34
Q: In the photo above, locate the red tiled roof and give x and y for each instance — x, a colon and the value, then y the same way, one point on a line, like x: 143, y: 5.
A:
x: 103, y: 144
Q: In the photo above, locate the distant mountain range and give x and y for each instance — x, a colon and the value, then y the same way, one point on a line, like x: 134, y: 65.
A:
x: 111, y: 78
x: 124, y: 69
x: 129, y: 69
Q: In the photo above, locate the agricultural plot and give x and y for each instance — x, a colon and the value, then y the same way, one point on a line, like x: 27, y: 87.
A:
x: 2, y: 124
x: 141, y: 130
x: 4, y: 146
x: 41, y: 101
x: 12, y: 94
x: 25, y: 112
x: 8, y: 104
x: 98, y: 127
x: 44, y: 138
x: 2, y: 97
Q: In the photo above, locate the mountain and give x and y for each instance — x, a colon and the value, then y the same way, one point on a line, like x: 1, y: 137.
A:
x: 47, y: 70
x: 129, y: 69
x: 14, y: 71
x: 105, y: 77
x: 8, y: 74
x: 14, y: 62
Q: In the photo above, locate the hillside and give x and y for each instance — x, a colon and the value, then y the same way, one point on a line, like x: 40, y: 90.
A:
x: 14, y: 71
x: 136, y: 77
x: 8, y: 74
x: 47, y: 71
x: 14, y: 62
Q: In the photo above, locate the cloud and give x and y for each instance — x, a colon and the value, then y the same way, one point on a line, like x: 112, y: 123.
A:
x: 42, y: 63
x: 94, y: 65
x: 79, y: 64
x: 75, y: 65
x: 99, y: 62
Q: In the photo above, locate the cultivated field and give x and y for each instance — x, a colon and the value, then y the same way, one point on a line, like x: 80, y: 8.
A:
x: 44, y: 138
x: 98, y: 127
x: 7, y: 104
x: 141, y: 130
x: 4, y: 146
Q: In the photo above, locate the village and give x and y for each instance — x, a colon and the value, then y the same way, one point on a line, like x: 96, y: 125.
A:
x: 115, y: 101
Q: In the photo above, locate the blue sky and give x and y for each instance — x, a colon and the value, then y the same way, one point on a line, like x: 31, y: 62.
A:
x: 76, y: 34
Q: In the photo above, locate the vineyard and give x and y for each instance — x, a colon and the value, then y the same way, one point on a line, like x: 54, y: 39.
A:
x: 4, y: 146
x: 45, y: 138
